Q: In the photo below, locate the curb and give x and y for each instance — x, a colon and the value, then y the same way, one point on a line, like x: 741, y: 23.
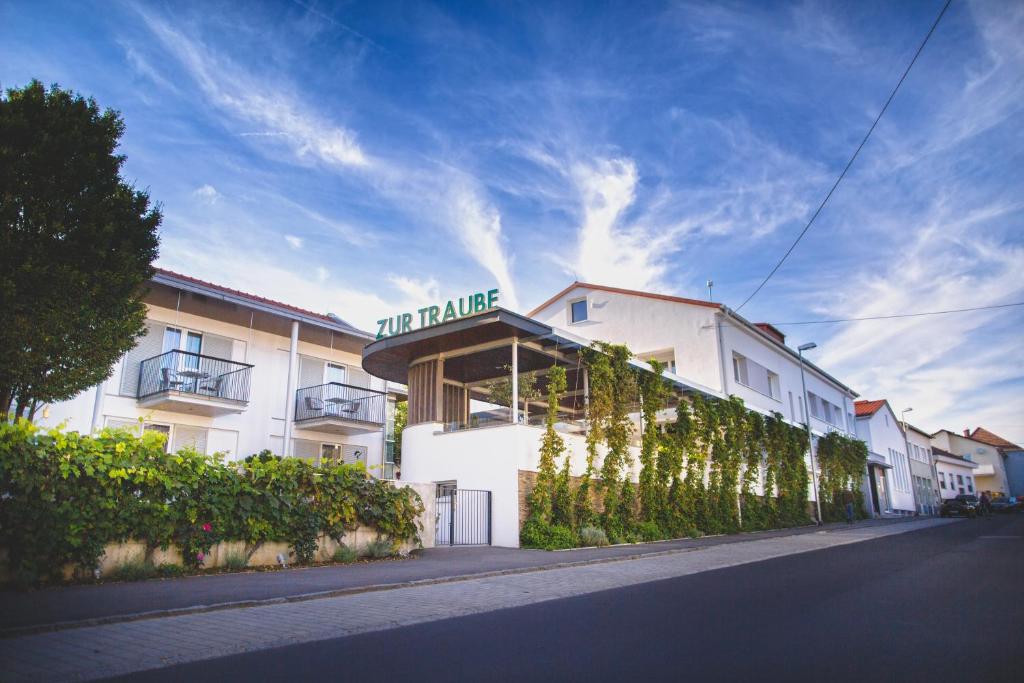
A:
x: 35, y: 629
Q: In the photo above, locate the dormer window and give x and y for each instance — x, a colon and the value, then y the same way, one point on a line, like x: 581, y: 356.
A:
x: 578, y: 311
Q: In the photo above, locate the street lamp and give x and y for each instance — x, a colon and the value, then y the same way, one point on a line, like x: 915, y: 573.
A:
x: 906, y: 442
x: 807, y: 418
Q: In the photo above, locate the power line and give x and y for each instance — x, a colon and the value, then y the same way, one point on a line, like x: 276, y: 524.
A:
x: 850, y: 162
x: 900, y: 315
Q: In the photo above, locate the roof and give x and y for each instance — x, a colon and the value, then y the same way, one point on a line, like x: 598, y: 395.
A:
x: 168, y: 277
x: 757, y: 328
x: 867, y: 408
x: 959, y: 458
x: 619, y: 290
x: 918, y: 430
x: 983, y: 435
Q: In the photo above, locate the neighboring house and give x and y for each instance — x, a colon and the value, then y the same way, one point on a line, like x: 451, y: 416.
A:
x: 990, y: 475
x: 228, y: 372
x: 956, y: 474
x: 922, y: 469
x: 890, y: 486
x: 1013, y: 458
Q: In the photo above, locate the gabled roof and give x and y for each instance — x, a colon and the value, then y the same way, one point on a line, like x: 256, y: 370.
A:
x: 918, y: 430
x: 983, y: 435
x: 170, y: 278
x: 755, y: 328
x: 867, y: 408
x: 619, y: 290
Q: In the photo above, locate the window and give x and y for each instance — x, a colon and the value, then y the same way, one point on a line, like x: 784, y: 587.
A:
x: 970, y: 485
x: 942, y: 480
x: 163, y: 429
x: 334, y: 373
x: 792, y: 413
x: 577, y: 311
x: 825, y: 411
x: 755, y: 376
x: 800, y: 401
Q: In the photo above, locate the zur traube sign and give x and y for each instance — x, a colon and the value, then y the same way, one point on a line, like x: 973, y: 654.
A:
x: 435, y: 315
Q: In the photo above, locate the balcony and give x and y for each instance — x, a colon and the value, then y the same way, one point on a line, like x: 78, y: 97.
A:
x: 340, y: 408
x: 193, y: 383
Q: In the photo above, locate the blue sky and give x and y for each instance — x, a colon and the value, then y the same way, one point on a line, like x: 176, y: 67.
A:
x: 368, y: 158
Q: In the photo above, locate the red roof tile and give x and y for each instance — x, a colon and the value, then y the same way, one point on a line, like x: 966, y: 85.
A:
x: 619, y: 290
x: 983, y: 435
x: 255, y: 298
x: 867, y: 408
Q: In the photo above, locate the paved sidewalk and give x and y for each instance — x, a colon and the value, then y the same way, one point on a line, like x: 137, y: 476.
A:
x: 60, y: 607
x: 101, y: 651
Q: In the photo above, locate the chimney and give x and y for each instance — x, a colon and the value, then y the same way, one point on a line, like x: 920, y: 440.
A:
x: 772, y: 331
x: 967, y: 433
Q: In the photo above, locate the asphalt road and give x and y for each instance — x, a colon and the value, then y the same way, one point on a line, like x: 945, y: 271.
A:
x: 945, y: 603
x: 27, y: 609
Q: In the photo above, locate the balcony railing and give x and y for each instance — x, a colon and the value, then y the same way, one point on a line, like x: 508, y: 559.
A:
x: 193, y: 373
x: 340, y: 401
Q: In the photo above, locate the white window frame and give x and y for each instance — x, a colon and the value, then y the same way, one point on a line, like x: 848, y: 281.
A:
x: 570, y: 303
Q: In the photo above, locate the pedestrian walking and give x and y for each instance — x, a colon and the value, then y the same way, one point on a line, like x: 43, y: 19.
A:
x: 986, y: 505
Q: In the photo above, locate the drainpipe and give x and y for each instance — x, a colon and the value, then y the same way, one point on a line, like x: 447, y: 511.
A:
x: 97, y: 407
x: 514, y: 412
x: 289, y: 406
x: 721, y: 353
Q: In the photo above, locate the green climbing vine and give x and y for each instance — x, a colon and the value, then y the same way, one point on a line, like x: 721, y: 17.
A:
x: 842, y: 461
x: 717, y: 468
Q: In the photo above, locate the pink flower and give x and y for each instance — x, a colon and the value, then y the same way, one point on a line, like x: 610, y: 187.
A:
x: 207, y: 527
x: 200, y: 557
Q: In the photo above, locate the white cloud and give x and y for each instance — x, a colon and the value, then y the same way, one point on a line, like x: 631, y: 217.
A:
x: 235, y: 92
x: 421, y: 292
x: 477, y: 224
x: 207, y: 193
x: 293, y: 241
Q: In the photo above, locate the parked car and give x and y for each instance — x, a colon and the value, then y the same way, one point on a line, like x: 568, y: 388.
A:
x: 964, y: 504
x: 1005, y: 504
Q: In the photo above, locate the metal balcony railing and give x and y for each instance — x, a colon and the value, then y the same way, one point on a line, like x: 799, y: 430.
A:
x: 341, y: 401
x: 193, y: 373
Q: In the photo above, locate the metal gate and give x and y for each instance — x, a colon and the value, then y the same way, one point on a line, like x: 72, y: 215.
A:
x: 463, y: 516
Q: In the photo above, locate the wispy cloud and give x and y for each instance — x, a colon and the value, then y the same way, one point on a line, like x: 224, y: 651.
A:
x: 294, y: 241
x: 235, y: 92
x: 207, y: 193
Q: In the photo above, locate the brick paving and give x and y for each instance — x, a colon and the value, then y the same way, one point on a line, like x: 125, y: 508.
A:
x: 94, y: 652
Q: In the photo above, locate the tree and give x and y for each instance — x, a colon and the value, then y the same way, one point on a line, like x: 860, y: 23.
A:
x: 78, y: 244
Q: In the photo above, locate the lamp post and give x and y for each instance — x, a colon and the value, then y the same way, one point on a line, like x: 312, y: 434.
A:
x: 906, y: 442
x: 807, y: 417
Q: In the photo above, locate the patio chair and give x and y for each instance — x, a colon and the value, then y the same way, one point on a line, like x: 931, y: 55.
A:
x: 212, y: 386
x: 314, y: 404
x: 169, y: 379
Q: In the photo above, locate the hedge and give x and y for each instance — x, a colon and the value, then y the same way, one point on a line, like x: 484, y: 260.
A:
x: 65, y: 496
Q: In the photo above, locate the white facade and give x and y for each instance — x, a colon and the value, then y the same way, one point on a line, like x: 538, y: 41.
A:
x: 956, y: 475
x: 922, y: 469
x: 708, y: 347
x: 259, y: 423
x: 883, y: 434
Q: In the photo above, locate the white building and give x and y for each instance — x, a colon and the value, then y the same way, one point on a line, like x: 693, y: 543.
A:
x: 890, y: 484
x: 956, y: 474
x: 459, y: 436
x: 233, y: 373
x: 922, y: 469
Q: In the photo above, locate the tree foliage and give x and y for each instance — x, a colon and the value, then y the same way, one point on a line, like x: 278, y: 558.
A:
x: 77, y: 241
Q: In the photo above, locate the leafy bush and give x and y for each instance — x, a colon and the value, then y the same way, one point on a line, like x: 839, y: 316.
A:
x: 168, y: 570
x: 345, y: 554
x: 649, y: 531
x: 380, y: 549
x: 593, y: 536
x: 134, y: 569
x: 64, y: 496
x: 537, y: 534
x: 236, y: 561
